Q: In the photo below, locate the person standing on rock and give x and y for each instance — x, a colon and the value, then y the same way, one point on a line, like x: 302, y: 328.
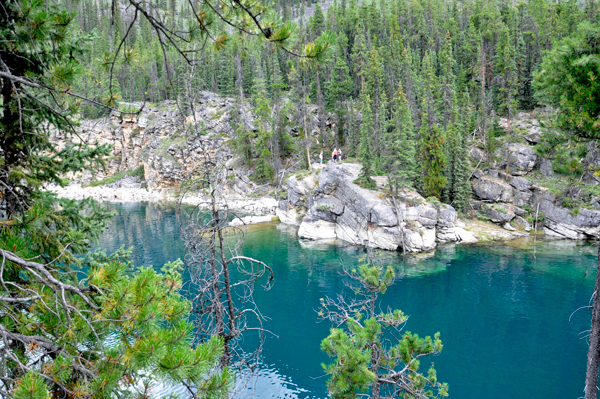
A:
x: 321, y: 157
x: 334, y: 155
x: 339, y: 155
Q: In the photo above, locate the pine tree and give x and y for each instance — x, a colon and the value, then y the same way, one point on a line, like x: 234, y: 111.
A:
x: 58, y: 299
x: 461, y: 187
x: 401, y: 154
x: 339, y: 86
x: 569, y: 81
x: 339, y: 89
x: 364, y: 359
x: 359, y: 59
x: 317, y: 22
x: 433, y: 157
x: 447, y: 79
x: 262, y: 162
x: 382, y: 132
x: 367, y: 132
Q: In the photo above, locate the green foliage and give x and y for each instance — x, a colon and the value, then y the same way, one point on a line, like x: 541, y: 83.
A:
x: 433, y: 158
x: 366, y: 146
x: 79, y: 324
x: 569, y: 80
x: 399, y: 149
x: 364, y: 358
x: 458, y: 189
x: 140, y: 312
x: 32, y: 386
x: 323, y: 208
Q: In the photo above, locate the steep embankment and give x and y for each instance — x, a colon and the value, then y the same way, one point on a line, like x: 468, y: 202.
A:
x: 519, y: 190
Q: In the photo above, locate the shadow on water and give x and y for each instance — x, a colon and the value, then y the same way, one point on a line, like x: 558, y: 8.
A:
x: 504, y: 310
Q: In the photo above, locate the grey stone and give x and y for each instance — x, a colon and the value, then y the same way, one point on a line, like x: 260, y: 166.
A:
x: 316, y: 229
x: 522, y: 224
x: 366, y: 217
x: 126, y: 182
x: 520, y: 183
x: 427, y: 222
x: 476, y: 205
x: 534, y: 136
x: 545, y: 167
x: 565, y: 222
x: 521, y: 158
x: 499, y: 214
x: 519, y: 211
x: 477, y: 174
x: 522, y: 198
x: 298, y: 189
x: 477, y: 155
x: 508, y: 227
x: 493, y: 173
x: 447, y: 215
x: 490, y: 189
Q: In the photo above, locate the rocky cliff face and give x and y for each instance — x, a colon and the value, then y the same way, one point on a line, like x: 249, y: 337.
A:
x: 163, y: 141
x: 514, y: 202
x: 328, y: 205
x: 517, y: 199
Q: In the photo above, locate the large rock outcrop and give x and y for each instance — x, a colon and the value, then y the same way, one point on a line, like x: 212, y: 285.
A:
x: 338, y: 208
x: 508, y: 200
x: 168, y: 143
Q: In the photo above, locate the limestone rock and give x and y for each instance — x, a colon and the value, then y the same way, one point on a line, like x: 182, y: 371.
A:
x: 499, y: 213
x: 520, y: 183
x: 419, y: 239
x: 338, y: 208
x: 487, y: 188
x: 521, y: 158
x: 477, y: 155
x: 126, y: 182
x: 582, y: 225
x: 287, y: 214
x: 298, y: 188
x: 464, y: 235
x: 545, y: 167
x: 446, y: 234
x: 522, y: 198
x: 523, y: 224
x: 316, y: 229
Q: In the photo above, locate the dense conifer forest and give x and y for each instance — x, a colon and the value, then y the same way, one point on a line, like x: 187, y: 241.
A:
x: 404, y: 82
x: 404, y: 87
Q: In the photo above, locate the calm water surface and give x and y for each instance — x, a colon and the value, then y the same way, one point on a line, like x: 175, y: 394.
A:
x: 506, y: 312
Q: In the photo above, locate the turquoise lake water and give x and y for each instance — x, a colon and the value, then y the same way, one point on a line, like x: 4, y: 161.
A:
x: 506, y: 311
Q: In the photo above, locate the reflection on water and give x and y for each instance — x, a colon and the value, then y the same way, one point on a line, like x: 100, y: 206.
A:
x: 502, y: 309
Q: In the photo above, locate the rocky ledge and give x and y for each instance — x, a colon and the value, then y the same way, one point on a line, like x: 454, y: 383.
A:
x: 515, y: 202
x: 329, y: 205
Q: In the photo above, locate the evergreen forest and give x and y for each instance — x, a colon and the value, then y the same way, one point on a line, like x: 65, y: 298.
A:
x: 406, y: 88
x: 402, y: 87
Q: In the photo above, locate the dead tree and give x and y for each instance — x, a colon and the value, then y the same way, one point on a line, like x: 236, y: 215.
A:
x: 221, y: 279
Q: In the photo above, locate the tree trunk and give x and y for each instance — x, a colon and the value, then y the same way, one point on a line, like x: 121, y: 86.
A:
x: 591, y: 377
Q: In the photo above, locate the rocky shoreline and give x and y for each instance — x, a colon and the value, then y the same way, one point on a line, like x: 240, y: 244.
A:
x: 267, y: 210
x: 255, y: 207
x: 156, y: 151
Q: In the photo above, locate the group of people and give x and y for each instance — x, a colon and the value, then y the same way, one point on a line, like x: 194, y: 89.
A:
x: 336, y: 155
